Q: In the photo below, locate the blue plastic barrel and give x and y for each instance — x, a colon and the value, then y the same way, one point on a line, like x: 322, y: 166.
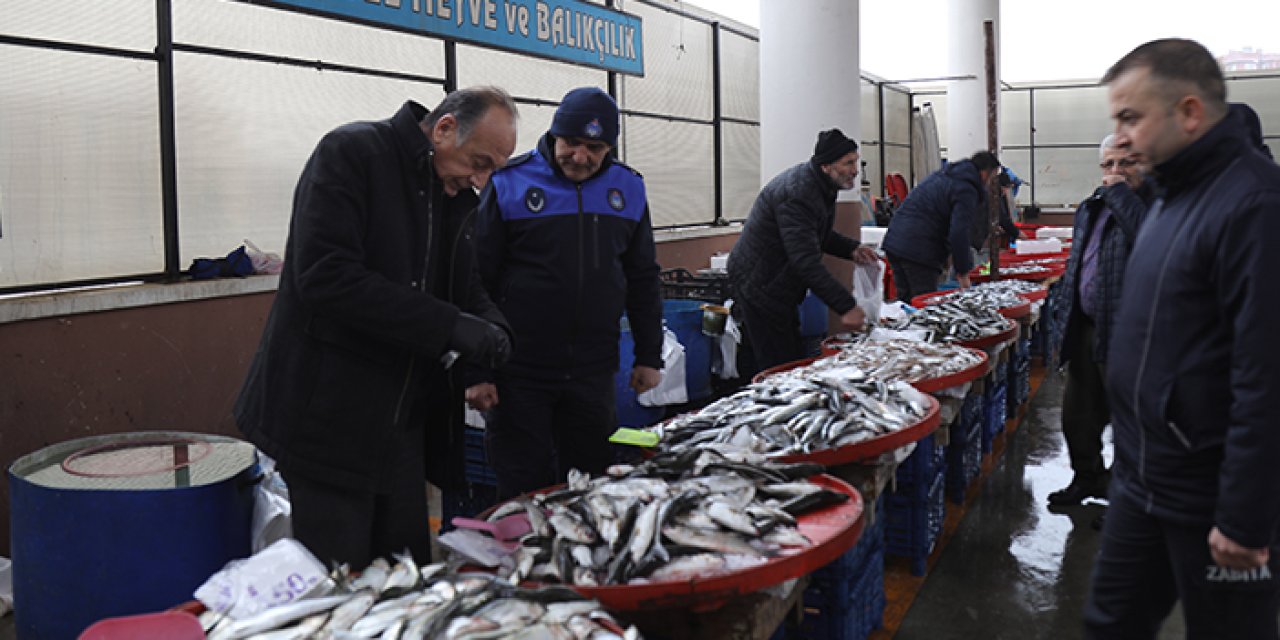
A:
x: 813, y: 316
x: 630, y: 412
x: 684, y: 318
x: 89, y: 543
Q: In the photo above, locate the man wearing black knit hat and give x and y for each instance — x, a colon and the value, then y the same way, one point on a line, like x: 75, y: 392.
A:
x: 565, y: 245
x: 778, y: 256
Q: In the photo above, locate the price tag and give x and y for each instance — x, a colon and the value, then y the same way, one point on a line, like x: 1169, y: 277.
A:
x: 634, y: 437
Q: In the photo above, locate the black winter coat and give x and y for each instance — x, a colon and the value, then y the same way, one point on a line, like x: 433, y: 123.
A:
x: 1194, y: 366
x: 1127, y: 212
x: 378, y: 263
x: 939, y: 217
x: 778, y: 256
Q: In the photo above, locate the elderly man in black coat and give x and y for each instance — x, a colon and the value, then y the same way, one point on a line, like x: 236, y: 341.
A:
x: 351, y: 390
x: 778, y: 257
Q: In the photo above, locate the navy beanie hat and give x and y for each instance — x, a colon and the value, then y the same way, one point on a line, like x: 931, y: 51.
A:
x: 832, y: 145
x: 588, y: 113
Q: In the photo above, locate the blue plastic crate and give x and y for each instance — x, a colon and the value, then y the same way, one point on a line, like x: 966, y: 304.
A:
x: 964, y: 458
x: 845, y: 607
x: 915, y: 475
x: 475, y: 461
x: 912, y: 526
x: 1019, y: 386
x: 971, y: 410
x: 995, y: 402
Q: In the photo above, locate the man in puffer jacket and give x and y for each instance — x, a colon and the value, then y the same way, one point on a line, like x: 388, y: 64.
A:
x: 936, y: 221
x: 778, y: 256
x: 1193, y: 372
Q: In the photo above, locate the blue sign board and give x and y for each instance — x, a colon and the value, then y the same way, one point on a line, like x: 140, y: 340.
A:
x: 568, y: 30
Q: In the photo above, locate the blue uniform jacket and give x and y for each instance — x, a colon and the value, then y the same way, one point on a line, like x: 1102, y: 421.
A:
x: 564, y: 260
x: 938, y: 218
x: 1194, y: 366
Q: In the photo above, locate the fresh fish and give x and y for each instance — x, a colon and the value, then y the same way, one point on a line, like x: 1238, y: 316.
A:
x: 347, y: 613
x: 277, y: 617
x: 723, y: 542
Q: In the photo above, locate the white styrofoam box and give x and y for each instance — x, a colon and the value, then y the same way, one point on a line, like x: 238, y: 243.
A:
x: 720, y: 261
x: 873, y: 236
x: 1053, y: 232
x: 1052, y: 245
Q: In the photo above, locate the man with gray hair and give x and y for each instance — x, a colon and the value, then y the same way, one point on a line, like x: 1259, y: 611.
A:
x: 1192, y: 368
x: 1085, y: 305
x: 351, y: 390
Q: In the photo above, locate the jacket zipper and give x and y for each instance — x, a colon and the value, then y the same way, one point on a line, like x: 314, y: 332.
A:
x: 422, y: 284
x: 595, y: 240
x: 582, y: 239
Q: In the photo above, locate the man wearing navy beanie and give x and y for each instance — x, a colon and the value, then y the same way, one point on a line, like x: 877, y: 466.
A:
x: 565, y: 246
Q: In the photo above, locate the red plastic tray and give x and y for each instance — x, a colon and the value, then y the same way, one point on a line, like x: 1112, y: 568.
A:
x: 1050, y: 274
x: 833, y: 530
x: 1034, y: 296
x: 1009, y: 257
x: 875, y: 446
x: 928, y: 385
x: 1017, y: 311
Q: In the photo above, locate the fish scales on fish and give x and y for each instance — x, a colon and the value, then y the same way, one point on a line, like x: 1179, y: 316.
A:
x: 901, y: 360
x: 441, y: 604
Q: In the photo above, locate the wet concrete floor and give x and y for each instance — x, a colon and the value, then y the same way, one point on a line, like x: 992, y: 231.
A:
x: 1014, y: 569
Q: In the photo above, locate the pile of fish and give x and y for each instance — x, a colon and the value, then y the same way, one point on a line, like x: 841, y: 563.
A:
x: 1056, y: 261
x: 681, y: 514
x: 405, y: 601
x: 1025, y: 269
x: 799, y: 414
x: 954, y: 320
x: 984, y: 296
x: 1010, y: 286
x: 901, y: 360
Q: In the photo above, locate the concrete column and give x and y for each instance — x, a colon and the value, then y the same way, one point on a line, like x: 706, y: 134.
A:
x: 809, y: 79
x: 967, y: 99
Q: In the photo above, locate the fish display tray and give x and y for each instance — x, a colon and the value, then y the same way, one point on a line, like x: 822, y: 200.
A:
x: 912, y: 526
x: 1010, y: 333
x: 833, y: 530
x: 1009, y: 257
x: 874, y: 446
x: 831, y: 347
x: 1014, y: 312
x: 1049, y: 274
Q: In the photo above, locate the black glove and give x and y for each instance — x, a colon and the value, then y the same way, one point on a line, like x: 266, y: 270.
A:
x: 482, y: 342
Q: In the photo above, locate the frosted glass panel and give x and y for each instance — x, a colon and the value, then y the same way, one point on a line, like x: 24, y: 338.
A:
x: 246, y: 129
x: 741, y: 148
x: 522, y: 75
x: 677, y: 66
x: 1065, y: 176
x: 897, y: 116
x: 79, y: 167
x: 247, y: 27
x: 739, y: 76
x: 870, y: 171
x: 870, y: 121
x: 1071, y: 116
x: 1015, y: 118
x: 681, y: 185
x: 119, y: 24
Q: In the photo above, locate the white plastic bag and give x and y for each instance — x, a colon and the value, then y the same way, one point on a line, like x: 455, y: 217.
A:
x: 671, y: 390
x: 272, y: 511
x: 868, y: 289
x: 280, y: 574
x: 263, y: 262
x: 728, y: 345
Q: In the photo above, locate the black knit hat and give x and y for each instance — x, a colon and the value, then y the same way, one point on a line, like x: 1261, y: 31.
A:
x: 588, y: 113
x: 832, y: 145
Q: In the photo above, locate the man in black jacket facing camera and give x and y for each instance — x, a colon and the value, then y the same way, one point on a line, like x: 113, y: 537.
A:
x: 351, y: 390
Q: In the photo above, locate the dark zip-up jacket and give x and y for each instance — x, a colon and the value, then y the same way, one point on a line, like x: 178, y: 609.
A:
x: 563, y: 260
x: 1127, y: 212
x: 778, y: 255
x: 940, y: 216
x: 378, y: 263
x: 1194, y: 365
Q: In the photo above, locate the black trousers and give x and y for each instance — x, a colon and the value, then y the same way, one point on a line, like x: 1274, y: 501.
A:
x: 352, y: 526
x: 1085, y: 411
x: 543, y: 428
x: 773, y: 342
x: 911, y: 278
x: 1146, y: 564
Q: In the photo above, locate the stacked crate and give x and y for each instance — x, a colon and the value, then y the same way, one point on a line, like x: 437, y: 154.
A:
x: 964, y: 451
x: 914, y: 510
x: 1019, y: 375
x: 995, y: 402
x: 480, y: 490
x: 845, y: 599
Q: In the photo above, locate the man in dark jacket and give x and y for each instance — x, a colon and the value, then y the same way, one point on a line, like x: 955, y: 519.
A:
x: 778, y: 256
x: 1192, y: 369
x: 1085, y: 305
x: 351, y: 389
x: 566, y: 245
x: 938, y: 220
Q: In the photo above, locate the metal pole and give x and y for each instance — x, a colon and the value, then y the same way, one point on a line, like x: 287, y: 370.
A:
x: 168, y: 139
x: 993, y: 189
x: 450, y: 66
x: 1032, y: 118
x: 717, y: 126
x: 884, y: 170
